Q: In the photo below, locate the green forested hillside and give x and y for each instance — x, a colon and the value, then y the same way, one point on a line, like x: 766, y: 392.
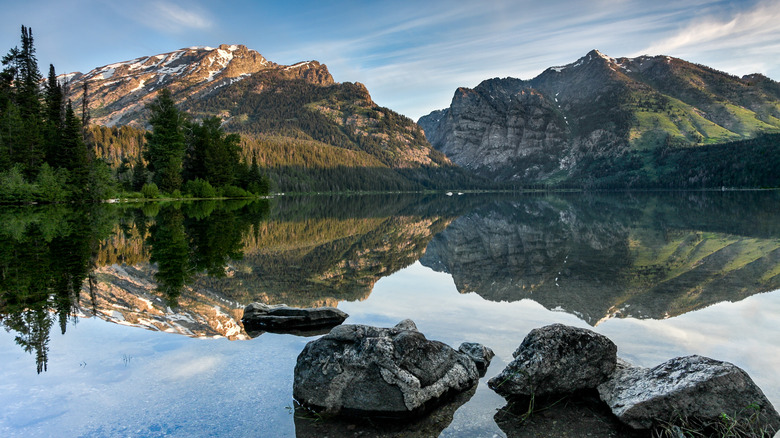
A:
x: 341, y: 115
x: 753, y: 163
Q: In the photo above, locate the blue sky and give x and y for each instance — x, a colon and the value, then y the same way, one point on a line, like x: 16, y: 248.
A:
x: 411, y: 55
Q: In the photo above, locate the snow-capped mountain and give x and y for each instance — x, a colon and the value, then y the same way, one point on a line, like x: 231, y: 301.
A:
x: 118, y: 92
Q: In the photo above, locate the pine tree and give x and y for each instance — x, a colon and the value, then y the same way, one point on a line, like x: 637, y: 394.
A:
x: 54, y: 117
x: 165, y: 144
x: 73, y: 154
x: 85, y: 115
x: 211, y: 154
x: 28, y: 99
x: 257, y: 183
x: 139, y: 175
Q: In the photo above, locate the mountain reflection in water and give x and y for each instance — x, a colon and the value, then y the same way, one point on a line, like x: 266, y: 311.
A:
x: 632, y: 265
x: 644, y: 256
x: 190, y: 268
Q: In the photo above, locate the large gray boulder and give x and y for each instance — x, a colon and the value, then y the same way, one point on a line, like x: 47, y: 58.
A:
x: 394, y: 372
x: 280, y: 317
x: 557, y: 359
x: 688, y: 387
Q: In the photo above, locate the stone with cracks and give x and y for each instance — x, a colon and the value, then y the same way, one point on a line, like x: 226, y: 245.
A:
x: 393, y: 372
x: 557, y: 359
x: 688, y: 387
x: 259, y: 316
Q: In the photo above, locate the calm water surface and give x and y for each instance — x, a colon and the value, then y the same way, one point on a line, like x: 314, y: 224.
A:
x: 122, y: 321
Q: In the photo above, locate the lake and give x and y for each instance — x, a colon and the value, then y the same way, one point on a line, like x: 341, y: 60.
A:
x: 124, y: 320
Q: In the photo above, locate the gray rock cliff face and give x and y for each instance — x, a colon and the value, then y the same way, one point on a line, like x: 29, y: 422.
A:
x: 499, y: 124
x: 596, y: 107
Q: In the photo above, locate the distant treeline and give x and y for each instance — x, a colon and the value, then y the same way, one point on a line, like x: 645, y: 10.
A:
x: 753, y: 163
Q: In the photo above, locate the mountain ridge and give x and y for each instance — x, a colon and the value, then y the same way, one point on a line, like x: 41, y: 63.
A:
x: 119, y: 91
x: 598, y: 106
x: 297, y: 110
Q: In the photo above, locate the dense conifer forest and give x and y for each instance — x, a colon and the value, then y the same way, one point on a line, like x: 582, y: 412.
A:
x: 48, y: 153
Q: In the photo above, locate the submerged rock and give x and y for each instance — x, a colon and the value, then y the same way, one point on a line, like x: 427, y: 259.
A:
x: 686, y: 387
x: 557, y: 359
x: 282, y: 318
x: 359, y: 370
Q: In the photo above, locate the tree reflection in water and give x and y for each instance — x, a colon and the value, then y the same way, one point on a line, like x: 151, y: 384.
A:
x: 47, y: 254
x: 593, y: 255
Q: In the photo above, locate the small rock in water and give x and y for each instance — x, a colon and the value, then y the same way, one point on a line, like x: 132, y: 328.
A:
x: 281, y: 318
x: 557, y: 359
x: 480, y: 354
x: 360, y: 370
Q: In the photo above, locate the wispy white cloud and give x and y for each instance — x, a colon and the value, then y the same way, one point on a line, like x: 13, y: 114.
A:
x: 170, y: 15
x: 432, y: 53
x: 748, y: 28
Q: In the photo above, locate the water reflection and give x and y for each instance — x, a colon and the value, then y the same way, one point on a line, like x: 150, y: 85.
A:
x: 190, y: 268
x: 52, y: 259
x: 310, y: 425
x: 645, y: 256
x: 45, y: 257
x: 567, y: 416
x: 198, y: 238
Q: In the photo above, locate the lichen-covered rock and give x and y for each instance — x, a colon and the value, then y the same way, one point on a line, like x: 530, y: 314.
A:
x: 688, y: 387
x: 480, y: 354
x: 280, y: 317
x: 384, y: 372
x: 557, y: 359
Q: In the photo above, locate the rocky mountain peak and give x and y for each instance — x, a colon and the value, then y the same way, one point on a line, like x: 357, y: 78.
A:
x: 595, y: 107
x: 119, y: 92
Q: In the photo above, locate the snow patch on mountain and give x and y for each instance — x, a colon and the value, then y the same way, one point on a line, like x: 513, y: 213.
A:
x: 298, y: 65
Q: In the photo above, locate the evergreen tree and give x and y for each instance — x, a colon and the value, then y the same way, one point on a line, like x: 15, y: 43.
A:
x: 256, y: 182
x: 11, y: 129
x: 165, y: 144
x: 54, y: 117
x: 85, y: 115
x: 8, y: 121
x: 140, y: 175
x: 28, y: 98
x: 72, y: 154
x: 211, y: 154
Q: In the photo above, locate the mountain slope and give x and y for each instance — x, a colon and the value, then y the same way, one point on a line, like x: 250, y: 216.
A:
x: 297, y: 108
x: 540, y: 129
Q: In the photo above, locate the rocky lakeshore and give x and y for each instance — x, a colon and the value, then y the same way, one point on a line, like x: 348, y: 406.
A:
x: 375, y: 377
